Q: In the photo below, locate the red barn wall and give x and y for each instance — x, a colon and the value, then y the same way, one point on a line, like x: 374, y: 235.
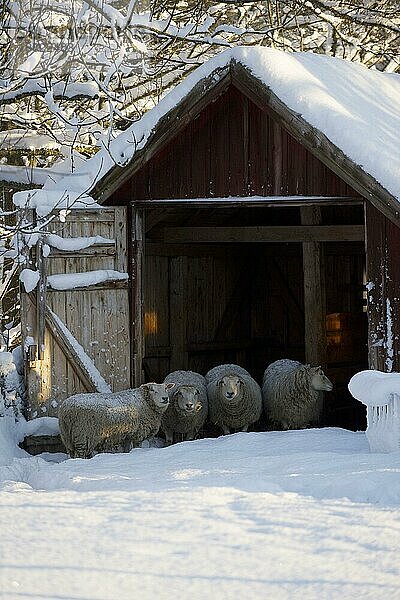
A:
x: 232, y: 148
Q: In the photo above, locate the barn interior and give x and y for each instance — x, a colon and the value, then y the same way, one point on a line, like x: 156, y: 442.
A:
x: 214, y: 293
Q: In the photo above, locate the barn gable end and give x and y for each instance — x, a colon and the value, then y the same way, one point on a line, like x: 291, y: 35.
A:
x: 232, y: 148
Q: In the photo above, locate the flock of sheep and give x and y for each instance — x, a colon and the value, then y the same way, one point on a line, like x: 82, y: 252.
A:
x: 228, y: 396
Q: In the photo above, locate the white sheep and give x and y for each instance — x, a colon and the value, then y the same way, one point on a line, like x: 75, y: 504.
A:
x: 104, y: 422
x: 292, y: 393
x: 188, y: 405
x: 234, y: 398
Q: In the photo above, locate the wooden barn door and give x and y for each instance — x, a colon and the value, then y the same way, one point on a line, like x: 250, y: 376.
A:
x: 76, y: 325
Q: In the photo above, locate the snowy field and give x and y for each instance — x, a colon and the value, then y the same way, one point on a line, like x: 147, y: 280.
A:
x: 300, y: 514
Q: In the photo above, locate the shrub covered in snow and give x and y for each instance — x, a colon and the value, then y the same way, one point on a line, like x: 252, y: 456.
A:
x: 11, y: 384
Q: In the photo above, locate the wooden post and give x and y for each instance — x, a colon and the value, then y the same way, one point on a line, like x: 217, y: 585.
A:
x: 41, y: 298
x: 138, y: 235
x: 314, y: 293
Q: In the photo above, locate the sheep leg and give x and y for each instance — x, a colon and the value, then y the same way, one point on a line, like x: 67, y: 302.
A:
x: 245, y: 428
x: 169, y: 436
x: 225, y: 429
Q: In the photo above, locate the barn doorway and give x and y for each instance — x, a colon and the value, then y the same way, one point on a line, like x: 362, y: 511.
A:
x: 214, y: 300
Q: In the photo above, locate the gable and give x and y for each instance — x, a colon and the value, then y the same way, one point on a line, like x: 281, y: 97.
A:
x: 232, y: 148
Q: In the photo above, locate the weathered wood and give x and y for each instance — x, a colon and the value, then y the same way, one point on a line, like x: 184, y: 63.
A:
x: 238, y: 296
x: 287, y: 293
x: 383, y: 284
x: 166, y: 129
x: 293, y: 233
x: 249, y: 202
x: 95, y: 250
x: 314, y: 294
x: 70, y: 352
x: 119, y: 284
x: 316, y: 142
x: 41, y: 297
x: 178, y: 313
x: 98, y: 317
x: 138, y: 234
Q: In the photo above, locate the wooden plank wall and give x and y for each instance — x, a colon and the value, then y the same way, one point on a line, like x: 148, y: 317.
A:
x: 383, y: 285
x: 97, y: 317
x: 232, y: 148
x: 234, y: 306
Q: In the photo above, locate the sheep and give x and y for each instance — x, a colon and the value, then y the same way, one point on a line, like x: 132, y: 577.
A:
x: 234, y: 398
x: 188, y: 405
x: 292, y: 393
x: 103, y: 422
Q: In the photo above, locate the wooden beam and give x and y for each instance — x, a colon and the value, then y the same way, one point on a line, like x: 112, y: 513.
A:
x: 292, y: 233
x: 96, y: 250
x: 220, y: 250
x: 73, y: 357
x: 249, y: 202
x: 137, y: 337
x: 314, y: 294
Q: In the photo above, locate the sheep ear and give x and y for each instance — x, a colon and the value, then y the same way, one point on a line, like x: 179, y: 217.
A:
x: 169, y: 386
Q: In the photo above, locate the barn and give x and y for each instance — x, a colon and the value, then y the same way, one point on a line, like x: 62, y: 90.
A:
x: 246, y: 218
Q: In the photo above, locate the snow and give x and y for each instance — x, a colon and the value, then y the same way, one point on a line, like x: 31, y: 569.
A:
x: 24, y: 175
x: 45, y: 201
x: 38, y: 426
x: 74, y: 280
x: 77, y: 243
x: 374, y: 387
x: 380, y: 392
x: 29, y: 279
x: 281, y: 515
x: 355, y: 107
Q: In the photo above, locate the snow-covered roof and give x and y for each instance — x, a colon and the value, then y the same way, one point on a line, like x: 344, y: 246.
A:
x: 356, y: 108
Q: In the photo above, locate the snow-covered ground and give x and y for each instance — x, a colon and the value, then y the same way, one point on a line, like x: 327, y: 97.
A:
x: 301, y: 514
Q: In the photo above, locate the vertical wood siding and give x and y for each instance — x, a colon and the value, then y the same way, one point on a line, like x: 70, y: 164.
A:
x: 383, y: 291
x: 232, y: 148
x: 97, y: 317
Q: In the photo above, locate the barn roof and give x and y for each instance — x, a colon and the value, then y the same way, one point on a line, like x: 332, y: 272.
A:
x: 348, y: 115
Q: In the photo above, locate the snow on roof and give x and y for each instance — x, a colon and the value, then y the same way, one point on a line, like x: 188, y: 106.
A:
x: 358, y: 109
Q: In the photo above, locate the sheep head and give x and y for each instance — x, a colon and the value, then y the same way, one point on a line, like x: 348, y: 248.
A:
x: 319, y: 381
x: 231, y: 387
x: 157, y: 393
x: 187, y: 399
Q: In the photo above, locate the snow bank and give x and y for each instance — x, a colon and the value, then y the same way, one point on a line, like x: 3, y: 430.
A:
x: 296, y: 514
x: 9, y: 438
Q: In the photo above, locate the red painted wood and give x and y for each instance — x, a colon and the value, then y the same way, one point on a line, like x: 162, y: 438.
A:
x: 383, y: 284
x: 232, y: 148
